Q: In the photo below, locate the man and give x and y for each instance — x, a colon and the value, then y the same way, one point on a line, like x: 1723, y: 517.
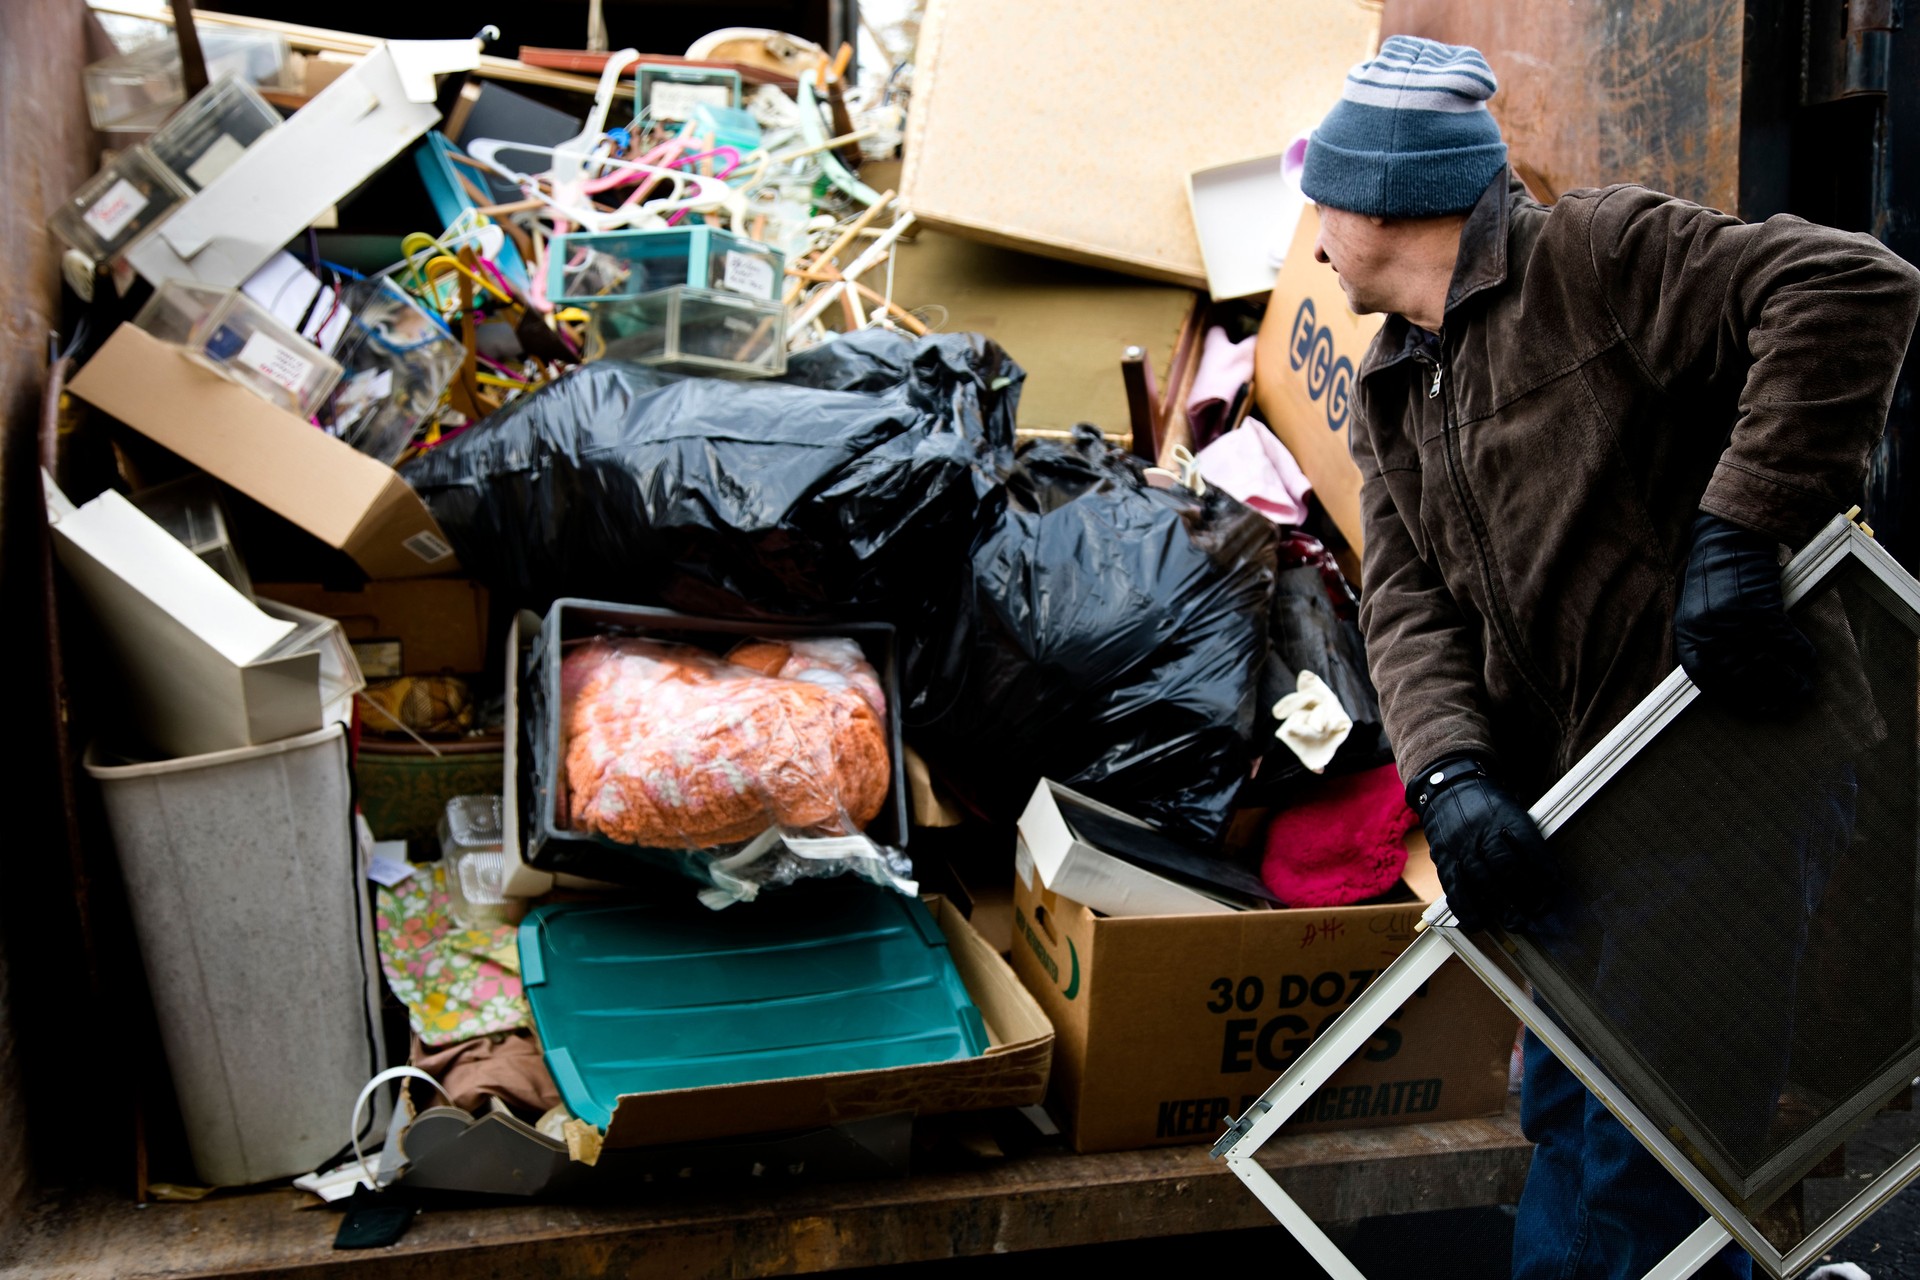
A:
x: 1585, y: 433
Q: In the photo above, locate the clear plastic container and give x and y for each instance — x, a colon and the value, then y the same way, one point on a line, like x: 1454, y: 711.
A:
x: 174, y: 309
x: 241, y: 339
x: 136, y: 91
x: 473, y: 851
x: 213, y: 131
x: 697, y: 331
x: 128, y: 198
x: 191, y: 511
x: 594, y: 266
x: 398, y: 360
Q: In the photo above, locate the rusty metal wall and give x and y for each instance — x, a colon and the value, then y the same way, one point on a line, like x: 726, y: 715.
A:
x: 1594, y: 92
x: 46, y: 149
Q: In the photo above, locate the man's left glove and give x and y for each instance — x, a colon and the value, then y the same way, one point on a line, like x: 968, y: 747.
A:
x: 1491, y: 857
x: 1730, y: 628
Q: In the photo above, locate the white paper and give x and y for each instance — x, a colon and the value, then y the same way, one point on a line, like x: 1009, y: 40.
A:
x: 110, y: 214
x: 388, y: 864
x: 670, y: 101
x: 215, y: 159
x: 291, y: 294
x: 748, y: 273
x: 428, y: 547
x: 276, y: 362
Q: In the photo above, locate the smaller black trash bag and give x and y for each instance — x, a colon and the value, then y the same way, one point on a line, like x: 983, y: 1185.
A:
x: 1106, y: 634
x: 1314, y: 627
x: 829, y: 490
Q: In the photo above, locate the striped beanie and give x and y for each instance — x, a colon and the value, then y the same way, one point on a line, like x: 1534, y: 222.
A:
x: 1411, y: 136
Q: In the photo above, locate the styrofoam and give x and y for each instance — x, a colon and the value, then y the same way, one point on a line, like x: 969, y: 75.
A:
x: 247, y: 900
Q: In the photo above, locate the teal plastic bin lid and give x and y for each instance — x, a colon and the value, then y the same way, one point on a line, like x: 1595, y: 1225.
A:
x: 643, y: 997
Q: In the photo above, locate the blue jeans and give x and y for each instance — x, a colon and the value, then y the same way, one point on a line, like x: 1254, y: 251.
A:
x: 1596, y: 1203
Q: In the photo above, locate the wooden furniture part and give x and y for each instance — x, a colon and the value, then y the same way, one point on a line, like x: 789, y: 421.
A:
x: 1046, y: 1200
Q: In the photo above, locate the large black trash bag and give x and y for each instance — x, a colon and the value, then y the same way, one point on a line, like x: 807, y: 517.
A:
x: 1106, y: 634
x: 829, y: 490
x: 1315, y: 627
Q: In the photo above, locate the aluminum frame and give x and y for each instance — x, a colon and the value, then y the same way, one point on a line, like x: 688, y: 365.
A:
x: 1441, y: 940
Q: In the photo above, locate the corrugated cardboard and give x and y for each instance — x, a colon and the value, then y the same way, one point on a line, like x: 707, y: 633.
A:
x: 1304, y: 363
x: 432, y: 625
x: 1011, y: 1073
x: 204, y: 666
x: 340, y: 495
x: 1069, y: 128
x: 1169, y: 1025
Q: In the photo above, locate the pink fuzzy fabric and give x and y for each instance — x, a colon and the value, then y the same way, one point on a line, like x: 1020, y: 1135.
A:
x: 1343, y: 844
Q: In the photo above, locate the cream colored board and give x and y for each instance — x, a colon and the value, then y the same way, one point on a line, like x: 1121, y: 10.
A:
x: 1069, y: 128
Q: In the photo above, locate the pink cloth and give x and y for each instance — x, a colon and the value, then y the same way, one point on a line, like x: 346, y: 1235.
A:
x: 1343, y: 844
x: 1250, y: 463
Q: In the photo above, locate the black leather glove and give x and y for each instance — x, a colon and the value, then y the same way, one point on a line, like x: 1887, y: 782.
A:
x: 1492, y: 859
x: 1731, y: 630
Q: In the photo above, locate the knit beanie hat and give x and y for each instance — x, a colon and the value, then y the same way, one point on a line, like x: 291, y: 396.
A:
x: 1411, y: 136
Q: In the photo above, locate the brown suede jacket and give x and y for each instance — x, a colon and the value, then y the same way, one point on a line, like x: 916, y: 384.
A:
x: 1606, y: 368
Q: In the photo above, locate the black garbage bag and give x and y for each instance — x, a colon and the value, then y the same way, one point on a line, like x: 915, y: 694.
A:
x: 829, y: 490
x: 1106, y: 634
x: 1314, y: 627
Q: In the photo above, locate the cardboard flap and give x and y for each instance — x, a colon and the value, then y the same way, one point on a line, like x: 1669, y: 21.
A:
x: 338, y: 494
x: 1305, y: 366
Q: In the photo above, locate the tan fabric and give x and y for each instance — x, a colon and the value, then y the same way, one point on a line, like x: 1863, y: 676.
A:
x: 507, y: 1065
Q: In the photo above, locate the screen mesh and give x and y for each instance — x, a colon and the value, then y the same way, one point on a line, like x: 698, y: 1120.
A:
x: 1734, y: 942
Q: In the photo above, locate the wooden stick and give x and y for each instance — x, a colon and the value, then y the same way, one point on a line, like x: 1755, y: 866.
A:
x: 846, y: 237
x: 910, y: 321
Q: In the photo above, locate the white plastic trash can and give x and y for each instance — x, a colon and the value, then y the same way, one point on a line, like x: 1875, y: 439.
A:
x: 252, y: 919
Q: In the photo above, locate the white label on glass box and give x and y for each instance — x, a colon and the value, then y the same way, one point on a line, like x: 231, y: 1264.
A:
x: 215, y: 160
x: 276, y: 362
x: 110, y: 214
x: 747, y: 273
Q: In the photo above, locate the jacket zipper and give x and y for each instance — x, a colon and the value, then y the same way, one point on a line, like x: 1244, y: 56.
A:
x: 1496, y: 600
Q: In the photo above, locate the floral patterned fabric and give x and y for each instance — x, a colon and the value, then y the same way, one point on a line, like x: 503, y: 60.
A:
x: 457, y: 983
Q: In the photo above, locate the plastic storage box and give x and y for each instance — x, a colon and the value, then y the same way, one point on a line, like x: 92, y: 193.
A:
x: 696, y: 331
x: 534, y: 727
x: 191, y: 511
x: 138, y: 90
x: 243, y: 882
x: 472, y: 849
x: 655, y: 996
x: 118, y: 206
x: 397, y: 361
x: 174, y: 309
x: 595, y: 266
x: 212, y: 131
x: 241, y: 339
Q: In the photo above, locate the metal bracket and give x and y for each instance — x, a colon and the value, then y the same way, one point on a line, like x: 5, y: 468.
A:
x: 1239, y: 1128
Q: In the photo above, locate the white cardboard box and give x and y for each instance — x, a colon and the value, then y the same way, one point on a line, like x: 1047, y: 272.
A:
x: 207, y: 670
x: 1071, y: 867
x: 346, y: 134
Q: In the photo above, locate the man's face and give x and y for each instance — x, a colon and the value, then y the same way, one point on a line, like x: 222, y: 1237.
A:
x: 1362, y: 251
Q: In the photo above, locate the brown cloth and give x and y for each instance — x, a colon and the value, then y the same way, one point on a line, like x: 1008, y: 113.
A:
x: 1606, y: 368
x: 507, y: 1065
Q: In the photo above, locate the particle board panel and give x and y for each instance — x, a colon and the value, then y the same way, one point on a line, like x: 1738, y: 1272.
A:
x: 1069, y: 128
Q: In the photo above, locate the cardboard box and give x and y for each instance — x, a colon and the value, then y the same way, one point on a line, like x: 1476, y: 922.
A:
x: 1101, y: 112
x: 206, y: 669
x: 1167, y: 1026
x: 1304, y: 364
x: 1011, y: 1073
x: 427, y: 627
x: 325, y: 486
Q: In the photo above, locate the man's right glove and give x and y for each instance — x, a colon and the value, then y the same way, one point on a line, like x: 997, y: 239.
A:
x: 1730, y: 628
x: 1491, y: 857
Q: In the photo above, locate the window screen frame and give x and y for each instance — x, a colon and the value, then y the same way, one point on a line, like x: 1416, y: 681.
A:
x: 1840, y: 542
